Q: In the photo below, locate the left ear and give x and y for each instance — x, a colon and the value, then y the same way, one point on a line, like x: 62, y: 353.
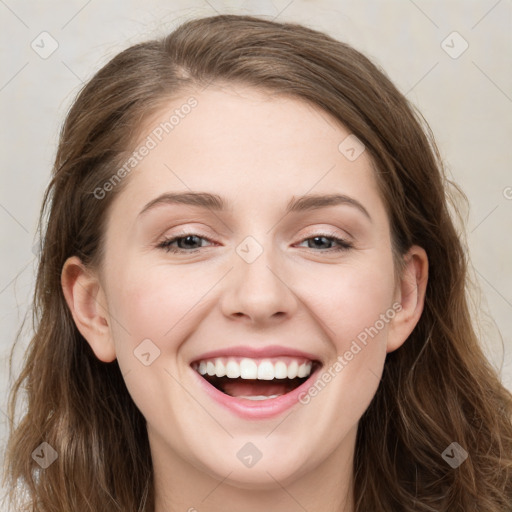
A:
x: 410, y: 294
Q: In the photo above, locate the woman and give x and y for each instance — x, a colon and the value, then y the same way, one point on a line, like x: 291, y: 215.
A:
x: 314, y: 351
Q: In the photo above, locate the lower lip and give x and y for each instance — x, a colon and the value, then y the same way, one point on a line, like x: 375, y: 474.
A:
x: 256, y: 409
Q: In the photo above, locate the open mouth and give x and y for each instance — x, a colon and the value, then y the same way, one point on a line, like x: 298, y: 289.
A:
x: 256, y: 379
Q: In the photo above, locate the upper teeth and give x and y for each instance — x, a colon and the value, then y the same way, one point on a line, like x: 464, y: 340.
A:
x: 254, y: 369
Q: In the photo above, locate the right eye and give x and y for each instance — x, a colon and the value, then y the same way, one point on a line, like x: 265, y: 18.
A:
x: 183, y: 242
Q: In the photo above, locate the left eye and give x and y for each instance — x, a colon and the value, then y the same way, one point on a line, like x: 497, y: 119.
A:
x: 186, y: 243
x: 343, y: 245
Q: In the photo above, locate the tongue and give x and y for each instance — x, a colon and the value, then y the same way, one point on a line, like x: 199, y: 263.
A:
x: 244, y: 387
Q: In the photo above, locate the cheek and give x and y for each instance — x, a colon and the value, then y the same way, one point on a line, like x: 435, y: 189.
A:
x: 159, y: 303
x: 352, y: 298
x: 150, y: 300
x: 355, y: 309
x: 152, y: 313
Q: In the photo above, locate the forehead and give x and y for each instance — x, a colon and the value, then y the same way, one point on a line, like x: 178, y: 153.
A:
x: 247, y: 144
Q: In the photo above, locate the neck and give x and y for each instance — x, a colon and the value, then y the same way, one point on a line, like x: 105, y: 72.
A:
x: 326, y: 487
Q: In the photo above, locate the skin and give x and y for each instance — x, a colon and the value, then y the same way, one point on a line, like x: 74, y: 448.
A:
x: 257, y: 151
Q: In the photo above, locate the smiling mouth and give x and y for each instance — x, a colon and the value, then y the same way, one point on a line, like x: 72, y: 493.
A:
x: 256, y: 379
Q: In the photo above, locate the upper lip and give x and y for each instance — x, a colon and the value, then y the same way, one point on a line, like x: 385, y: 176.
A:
x: 256, y: 352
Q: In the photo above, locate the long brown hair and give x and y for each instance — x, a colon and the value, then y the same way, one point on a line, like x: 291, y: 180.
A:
x: 436, y: 389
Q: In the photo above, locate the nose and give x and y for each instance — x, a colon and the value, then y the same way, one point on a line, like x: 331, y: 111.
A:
x: 260, y: 292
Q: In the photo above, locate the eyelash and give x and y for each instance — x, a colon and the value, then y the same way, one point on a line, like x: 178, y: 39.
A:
x: 343, y: 245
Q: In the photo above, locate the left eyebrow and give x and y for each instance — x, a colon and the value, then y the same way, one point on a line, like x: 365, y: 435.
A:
x: 216, y: 203
x: 312, y: 202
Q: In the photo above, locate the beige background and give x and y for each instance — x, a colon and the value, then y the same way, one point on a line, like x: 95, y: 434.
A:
x: 467, y: 101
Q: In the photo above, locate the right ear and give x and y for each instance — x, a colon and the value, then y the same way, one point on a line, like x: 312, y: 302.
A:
x: 86, y: 301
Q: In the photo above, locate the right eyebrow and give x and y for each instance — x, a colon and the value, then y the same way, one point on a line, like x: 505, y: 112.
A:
x: 201, y: 199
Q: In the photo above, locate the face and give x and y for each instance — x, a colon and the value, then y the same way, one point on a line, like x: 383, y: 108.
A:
x: 212, y: 310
